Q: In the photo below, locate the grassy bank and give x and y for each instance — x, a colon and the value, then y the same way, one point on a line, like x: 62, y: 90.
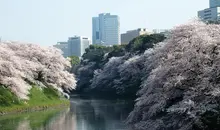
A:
x: 40, y: 99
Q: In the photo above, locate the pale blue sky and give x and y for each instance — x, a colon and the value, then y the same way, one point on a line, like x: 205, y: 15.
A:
x: 45, y: 22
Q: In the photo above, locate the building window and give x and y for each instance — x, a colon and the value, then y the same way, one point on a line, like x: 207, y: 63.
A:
x: 207, y: 14
x: 206, y: 11
x: 97, y: 35
x: 73, y: 38
x: 207, y: 18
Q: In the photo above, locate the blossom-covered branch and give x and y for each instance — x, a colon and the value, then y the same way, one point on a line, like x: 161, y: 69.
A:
x: 24, y: 64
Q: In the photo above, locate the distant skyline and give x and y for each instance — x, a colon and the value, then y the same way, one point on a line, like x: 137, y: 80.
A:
x: 46, y: 22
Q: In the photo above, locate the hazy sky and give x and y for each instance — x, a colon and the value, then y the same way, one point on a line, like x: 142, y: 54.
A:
x: 45, y: 22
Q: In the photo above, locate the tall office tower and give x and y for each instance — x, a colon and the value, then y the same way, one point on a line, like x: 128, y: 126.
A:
x: 214, y: 3
x: 77, y: 45
x: 212, y: 13
x: 106, y: 30
x: 63, y: 46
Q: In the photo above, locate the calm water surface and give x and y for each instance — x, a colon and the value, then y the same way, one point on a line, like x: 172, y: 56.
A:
x: 83, y: 114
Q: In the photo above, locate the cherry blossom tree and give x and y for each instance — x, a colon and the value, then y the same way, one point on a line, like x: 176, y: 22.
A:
x: 104, y: 79
x: 181, y: 86
x: 22, y: 65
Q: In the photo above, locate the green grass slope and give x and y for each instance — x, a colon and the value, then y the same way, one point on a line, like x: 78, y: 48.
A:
x: 40, y: 98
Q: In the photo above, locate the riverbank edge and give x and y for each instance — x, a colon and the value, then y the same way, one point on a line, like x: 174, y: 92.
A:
x: 17, y: 109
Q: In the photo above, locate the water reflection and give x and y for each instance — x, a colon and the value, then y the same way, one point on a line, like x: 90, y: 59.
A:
x: 83, y: 114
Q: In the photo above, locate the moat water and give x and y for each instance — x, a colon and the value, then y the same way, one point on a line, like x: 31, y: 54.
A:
x: 84, y: 114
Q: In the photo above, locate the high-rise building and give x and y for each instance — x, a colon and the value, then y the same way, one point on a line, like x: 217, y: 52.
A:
x: 106, y: 30
x: 212, y: 13
x: 63, y: 46
x: 214, y: 3
x: 129, y: 35
x: 77, y: 45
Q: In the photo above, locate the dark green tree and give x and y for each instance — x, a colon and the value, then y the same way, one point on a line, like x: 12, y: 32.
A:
x: 144, y: 42
x: 74, y: 60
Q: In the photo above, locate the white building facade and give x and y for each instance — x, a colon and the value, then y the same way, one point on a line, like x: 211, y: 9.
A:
x: 63, y: 46
x: 165, y: 32
x: 212, y: 13
x: 106, y: 30
x: 77, y: 45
